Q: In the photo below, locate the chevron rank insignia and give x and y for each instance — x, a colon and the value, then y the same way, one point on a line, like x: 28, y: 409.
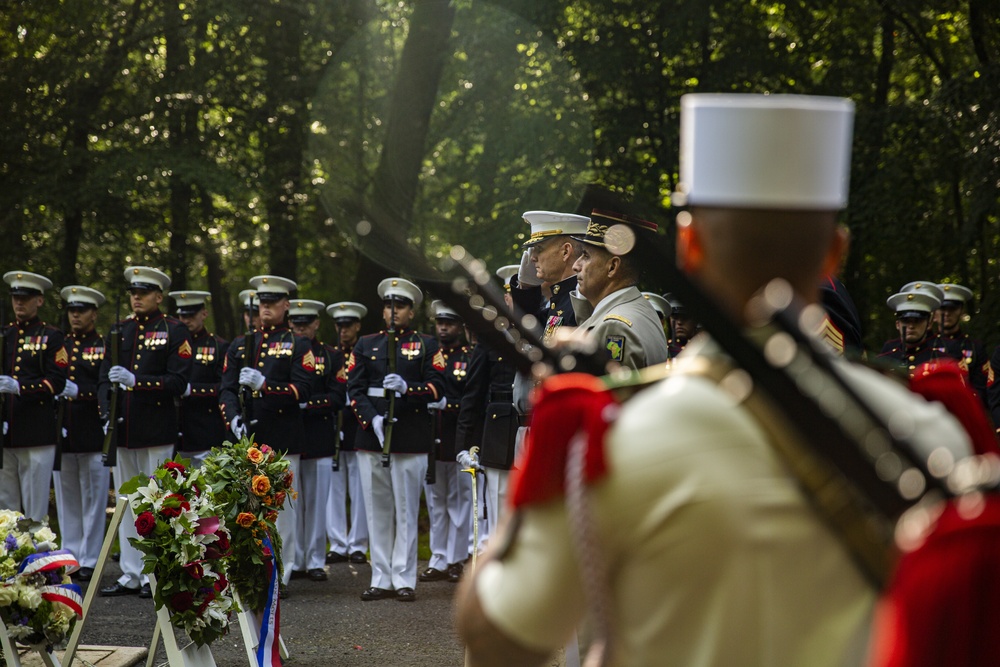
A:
x: 309, y: 361
x: 615, y: 346
x: 184, y: 351
x: 62, y: 359
x: 438, y: 361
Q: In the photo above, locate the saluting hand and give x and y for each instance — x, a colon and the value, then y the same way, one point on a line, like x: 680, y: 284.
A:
x: 251, y: 377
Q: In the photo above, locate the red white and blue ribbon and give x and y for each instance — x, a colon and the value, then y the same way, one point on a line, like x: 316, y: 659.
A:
x: 66, y: 594
x: 268, y: 646
x: 48, y: 560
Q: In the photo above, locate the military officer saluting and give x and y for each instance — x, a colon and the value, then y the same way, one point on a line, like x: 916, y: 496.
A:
x: 346, y: 542
x: 954, y: 307
x: 449, y: 498
x: 33, y: 373
x: 622, y: 322
x: 154, y: 367
x: 275, y: 378
x: 82, y: 483
x: 202, y: 425
x: 408, y: 382
x: 319, y: 418
x: 916, y: 343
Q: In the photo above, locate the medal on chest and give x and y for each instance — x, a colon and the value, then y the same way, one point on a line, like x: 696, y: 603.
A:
x: 410, y: 350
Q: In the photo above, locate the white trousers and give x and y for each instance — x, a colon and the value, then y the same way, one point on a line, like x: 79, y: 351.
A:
x: 288, y: 521
x: 496, y: 498
x: 314, y: 494
x: 132, y: 462
x: 82, y: 503
x: 392, y: 502
x: 449, y: 506
x: 197, y: 458
x: 26, y: 478
x: 346, y: 483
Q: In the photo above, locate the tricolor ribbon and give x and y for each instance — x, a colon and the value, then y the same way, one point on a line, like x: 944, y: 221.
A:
x: 268, y: 648
x: 65, y: 594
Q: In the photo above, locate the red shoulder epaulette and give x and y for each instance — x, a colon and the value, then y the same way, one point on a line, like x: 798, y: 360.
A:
x: 564, y: 406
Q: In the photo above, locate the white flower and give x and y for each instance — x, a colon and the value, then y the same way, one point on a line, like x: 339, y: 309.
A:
x: 19, y: 631
x: 29, y: 597
x: 8, y: 595
x: 45, y: 534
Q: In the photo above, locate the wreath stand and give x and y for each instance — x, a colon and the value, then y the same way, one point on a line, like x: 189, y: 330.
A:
x: 250, y: 629
x: 13, y: 658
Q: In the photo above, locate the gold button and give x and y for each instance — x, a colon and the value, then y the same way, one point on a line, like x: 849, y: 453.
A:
x: 17, y: 368
x: 72, y: 368
x: 261, y: 364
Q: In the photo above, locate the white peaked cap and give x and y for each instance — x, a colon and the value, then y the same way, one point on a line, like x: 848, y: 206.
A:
x: 400, y: 289
x: 79, y: 296
x: 346, y: 310
x: 928, y: 287
x: 147, y: 278
x: 913, y: 302
x: 765, y: 151
x: 26, y: 283
x: 305, y: 307
x: 546, y: 224
x: 505, y: 273
x: 443, y: 312
x: 953, y: 292
x: 659, y: 304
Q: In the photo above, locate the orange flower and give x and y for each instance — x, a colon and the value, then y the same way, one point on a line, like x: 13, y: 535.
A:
x: 245, y: 519
x: 260, y: 485
x: 255, y: 456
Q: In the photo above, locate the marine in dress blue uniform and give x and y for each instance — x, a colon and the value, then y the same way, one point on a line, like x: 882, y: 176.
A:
x: 153, y: 373
x: 279, y: 377
x: 34, y: 373
x: 683, y: 327
x: 202, y: 424
x: 449, y: 498
x: 954, y: 307
x: 82, y: 483
x: 319, y: 418
x: 348, y: 540
x: 392, y: 494
x: 917, y: 343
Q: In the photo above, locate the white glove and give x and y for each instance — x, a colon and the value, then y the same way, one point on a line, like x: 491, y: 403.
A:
x: 439, y: 404
x: 5, y: 427
x: 237, y: 427
x: 526, y: 276
x: 122, y: 376
x: 467, y: 460
x: 71, y: 390
x: 104, y: 427
x: 303, y: 406
x: 395, y: 382
x: 9, y: 385
x: 187, y: 391
x: 65, y: 433
x: 378, y: 425
x: 251, y: 377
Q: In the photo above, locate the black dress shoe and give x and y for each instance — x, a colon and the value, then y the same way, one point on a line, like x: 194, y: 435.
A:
x: 283, y: 593
x: 333, y: 557
x: 84, y: 574
x: 455, y: 572
x: 406, y: 595
x: 433, y: 574
x: 298, y: 574
x: 116, y: 556
x: 117, y: 590
x: 317, y: 574
x: 145, y: 592
x: 374, y: 593
x: 359, y: 557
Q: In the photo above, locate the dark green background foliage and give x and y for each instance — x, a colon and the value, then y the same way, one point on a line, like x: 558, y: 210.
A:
x: 221, y: 139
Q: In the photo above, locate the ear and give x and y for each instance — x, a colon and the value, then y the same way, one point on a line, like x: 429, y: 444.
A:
x: 690, y: 248
x: 837, y: 251
x: 614, y: 264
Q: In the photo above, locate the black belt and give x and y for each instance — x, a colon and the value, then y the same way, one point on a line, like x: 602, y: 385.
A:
x: 501, y: 397
x: 523, y: 420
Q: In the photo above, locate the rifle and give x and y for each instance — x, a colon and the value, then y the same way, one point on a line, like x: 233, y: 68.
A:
x: 246, y: 393
x: 3, y: 371
x: 336, y: 439
x: 431, y: 476
x: 390, y: 417
x: 109, y: 452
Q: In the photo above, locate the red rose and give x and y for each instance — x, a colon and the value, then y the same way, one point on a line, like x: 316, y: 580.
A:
x: 208, y: 601
x: 223, y: 543
x: 175, y: 468
x: 145, y: 524
x: 181, y: 601
x: 279, y: 499
x: 173, y: 505
x: 195, y: 570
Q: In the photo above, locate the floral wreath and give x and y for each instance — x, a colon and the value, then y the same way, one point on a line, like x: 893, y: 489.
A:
x: 38, y: 604
x: 184, y: 541
x: 250, y: 484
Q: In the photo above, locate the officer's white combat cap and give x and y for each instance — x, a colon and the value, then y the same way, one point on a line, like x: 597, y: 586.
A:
x: 505, y: 273
x: 546, y: 224
x: 272, y: 288
x: 303, y: 311
x: 913, y: 304
x: 78, y: 296
x: 146, y: 278
x: 765, y: 151
x: 443, y: 312
x: 399, y: 289
x: 245, y: 299
x: 659, y: 304
x: 925, y: 287
x: 23, y: 283
x: 346, y: 311
x: 956, y: 294
x: 189, y: 302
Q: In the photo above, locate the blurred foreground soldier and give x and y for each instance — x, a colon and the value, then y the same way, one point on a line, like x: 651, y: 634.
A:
x: 277, y: 375
x: 251, y: 309
x: 319, y: 419
x: 154, y: 371
x: 842, y: 329
x: 917, y: 344
x: 346, y: 542
x: 202, y: 425
x: 662, y: 308
x: 449, y: 498
x: 972, y: 353
x: 82, y: 483
x: 621, y: 321
x: 717, y: 557
x: 683, y: 327
x: 33, y: 373
x: 392, y: 493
